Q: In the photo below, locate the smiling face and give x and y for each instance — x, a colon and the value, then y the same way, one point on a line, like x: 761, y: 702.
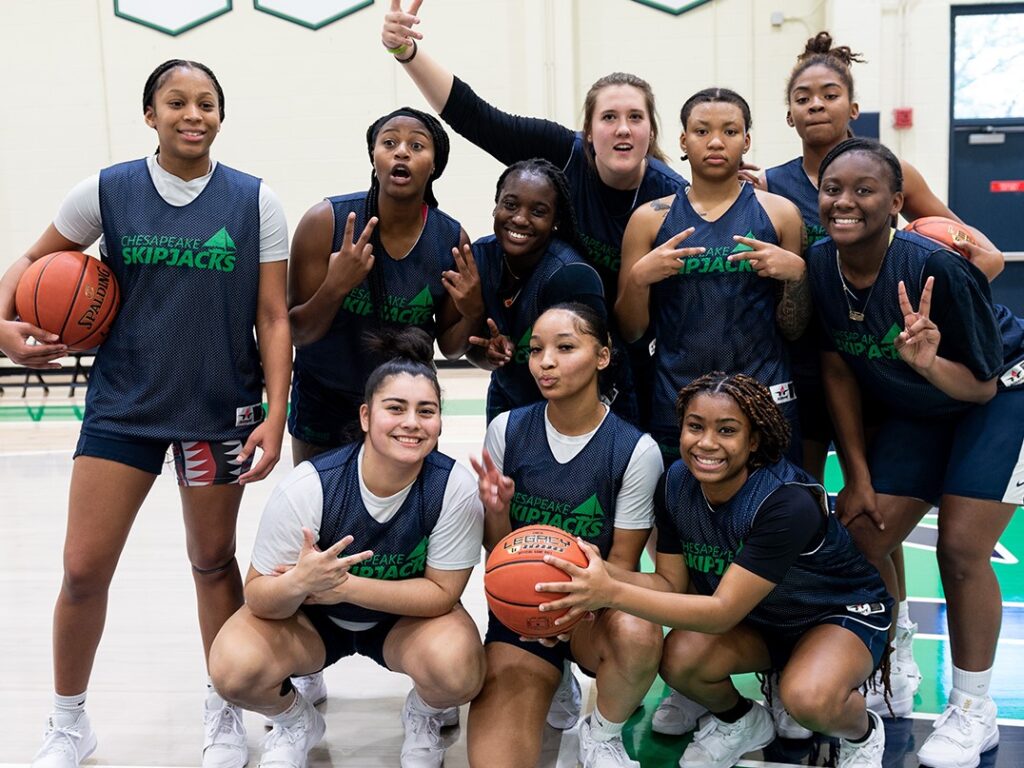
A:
x: 715, y: 138
x: 525, y: 216
x: 856, y: 201
x: 716, y: 442
x: 185, y: 113
x: 819, y: 106
x: 619, y: 128
x: 403, y: 421
x: 564, y: 358
x: 403, y: 157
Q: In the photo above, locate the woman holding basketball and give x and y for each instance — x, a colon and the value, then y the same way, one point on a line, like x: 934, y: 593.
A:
x: 912, y: 326
x: 224, y: 274
x: 571, y: 463
x: 415, y: 519
x: 753, y: 574
x: 531, y: 262
x: 399, y: 271
x: 613, y: 166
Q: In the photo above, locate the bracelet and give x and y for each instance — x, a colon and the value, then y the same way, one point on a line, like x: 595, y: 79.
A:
x: 414, y: 49
x: 398, y: 51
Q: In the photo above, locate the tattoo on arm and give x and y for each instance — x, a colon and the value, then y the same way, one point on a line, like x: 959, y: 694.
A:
x: 794, y: 308
x: 660, y: 205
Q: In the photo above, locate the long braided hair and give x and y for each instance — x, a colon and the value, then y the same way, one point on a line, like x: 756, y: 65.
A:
x: 755, y: 401
x: 566, y: 227
x: 378, y: 289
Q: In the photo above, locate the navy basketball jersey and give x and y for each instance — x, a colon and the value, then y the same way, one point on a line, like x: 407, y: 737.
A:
x: 833, y: 574
x: 578, y: 496
x: 790, y: 180
x: 601, y: 229
x: 181, y: 360
x: 412, y: 294
x: 399, y: 545
x: 512, y: 385
x: 715, y: 314
x: 868, y: 344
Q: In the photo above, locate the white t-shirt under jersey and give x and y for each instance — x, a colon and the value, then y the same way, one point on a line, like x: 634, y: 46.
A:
x: 634, y: 506
x: 79, y: 218
x: 298, y: 502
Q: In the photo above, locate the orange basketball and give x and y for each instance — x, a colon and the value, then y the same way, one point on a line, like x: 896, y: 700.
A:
x: 70, y: 294
x: 948, y: 232
x: 516, y: 565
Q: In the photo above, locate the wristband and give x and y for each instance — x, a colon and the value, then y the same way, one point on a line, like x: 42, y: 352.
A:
x: 414, y: 49
x: 399, y: 50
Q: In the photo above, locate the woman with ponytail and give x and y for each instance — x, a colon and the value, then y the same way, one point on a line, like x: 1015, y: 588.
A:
x: 413, y: 518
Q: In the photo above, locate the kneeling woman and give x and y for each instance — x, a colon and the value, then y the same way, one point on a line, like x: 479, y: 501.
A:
x: 779, y: 585
x: 394, y: 499
x: 574, y: 455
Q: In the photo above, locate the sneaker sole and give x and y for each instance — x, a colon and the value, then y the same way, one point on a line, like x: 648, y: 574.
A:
x: 988, y: 744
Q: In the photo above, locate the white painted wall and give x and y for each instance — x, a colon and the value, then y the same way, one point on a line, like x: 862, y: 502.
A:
x: 299, y: 101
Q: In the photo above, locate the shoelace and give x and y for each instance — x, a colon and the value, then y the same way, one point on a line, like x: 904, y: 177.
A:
x: 226, y: 721
x: 960, y: 718
x: 613, y: 748
x: 426, y: 725
x: 61, y: 740
x: 291, y: 735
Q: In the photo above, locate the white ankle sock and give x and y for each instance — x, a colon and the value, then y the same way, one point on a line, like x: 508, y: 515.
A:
x: 67, y: 709
x: 421, y: 706
x: 903, y: 615
x: 603, y: 729
x: 972, y: 683
x: 291, y: 715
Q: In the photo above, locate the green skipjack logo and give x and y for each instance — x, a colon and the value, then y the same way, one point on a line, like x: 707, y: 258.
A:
x: 415, y: 311
x: 867, y: 344
x: 389, y: 565
x: 217, y: 253
x: 522, y: 351
x: 601, y: 254
x: 707, y: 558
x: 586, y: 520
x: 715, y: 259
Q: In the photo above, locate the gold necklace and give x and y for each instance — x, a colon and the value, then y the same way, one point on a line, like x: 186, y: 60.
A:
x: 858, y: 317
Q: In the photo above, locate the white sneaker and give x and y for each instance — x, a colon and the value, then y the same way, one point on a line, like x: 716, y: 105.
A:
x: 564, y: 712
x: 66, y: 743
x: 289, y: 747
x: 903, y: 646
x: 867, y: 754
x: 903, y: 683
x: 720, y: 745
x: 424, y: 746
x: 961, y: 733
x: 224, y: 742
x: 785, y: 725
x: 602, y: 754
x: 676, y: 715
x: 312, y: 687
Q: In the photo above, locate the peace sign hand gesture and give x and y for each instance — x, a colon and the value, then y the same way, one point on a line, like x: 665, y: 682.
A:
x: 349, y: 266
x: 398, y: 25
x: 918, y: 344
x: 496, y: 490
x: 498, y: 348
x: 664, y: 261
x: 463, y: 284
x: 769, y: 260
x: 318, y: 571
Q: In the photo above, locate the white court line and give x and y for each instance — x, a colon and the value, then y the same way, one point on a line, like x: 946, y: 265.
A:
x: 1006, y: 603
x: 945, y: 638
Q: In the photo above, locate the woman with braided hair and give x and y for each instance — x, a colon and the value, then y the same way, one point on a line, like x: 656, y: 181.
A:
x: 410, y: 265
x: 777, y: 585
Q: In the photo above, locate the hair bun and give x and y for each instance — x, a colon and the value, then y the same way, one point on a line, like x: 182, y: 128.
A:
x: 405, y: 343
x: 822, y: 45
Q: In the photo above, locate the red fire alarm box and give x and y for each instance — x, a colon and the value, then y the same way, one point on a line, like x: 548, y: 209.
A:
x: 903, y: 117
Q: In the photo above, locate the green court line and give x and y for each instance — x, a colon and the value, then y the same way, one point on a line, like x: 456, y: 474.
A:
x: 29, y: 413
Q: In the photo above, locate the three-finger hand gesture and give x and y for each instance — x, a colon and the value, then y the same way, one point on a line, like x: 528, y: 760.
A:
x: 499, y: 349
x: 770, y: 260
x: 350, y: 265
x: 463, y: 283
x: 398, y: 26
x: 496, y: 490
x: 918, y: 344
x: 664, y: 261
x: 318, y: 571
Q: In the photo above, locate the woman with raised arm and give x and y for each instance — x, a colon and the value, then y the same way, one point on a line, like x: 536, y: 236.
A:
x: 223, y: 278
x: 613, y: 165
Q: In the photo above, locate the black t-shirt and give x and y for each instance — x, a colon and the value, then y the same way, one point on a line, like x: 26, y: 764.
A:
x: 788, y: 524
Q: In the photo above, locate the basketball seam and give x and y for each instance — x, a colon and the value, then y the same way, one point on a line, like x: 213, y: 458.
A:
x: 47, y: 261
x: 74, y: 295
x: 110, y: 304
